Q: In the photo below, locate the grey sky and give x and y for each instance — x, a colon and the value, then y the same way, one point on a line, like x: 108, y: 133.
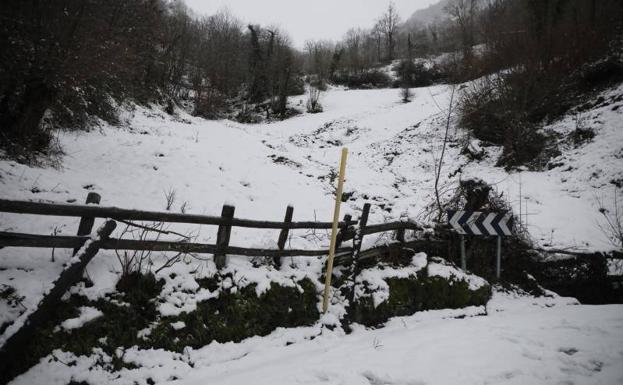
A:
x: 309, y: 19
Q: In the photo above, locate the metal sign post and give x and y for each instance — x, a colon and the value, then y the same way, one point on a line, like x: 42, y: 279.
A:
x: 498, y: 261
x: 463, y: 257
x: 480, y: 223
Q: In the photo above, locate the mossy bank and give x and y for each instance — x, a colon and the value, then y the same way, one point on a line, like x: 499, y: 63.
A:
x: 133, y: 315
x: 424, y: 285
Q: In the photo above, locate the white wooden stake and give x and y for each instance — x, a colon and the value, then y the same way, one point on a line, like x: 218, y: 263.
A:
x: 336, y: 217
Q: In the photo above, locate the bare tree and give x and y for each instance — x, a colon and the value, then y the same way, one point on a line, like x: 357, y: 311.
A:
x: 443, y: 152
x: 406, y: 72
x: 352, y: 46
x: 318, y: 60
x: 464, y: 13
x: 388, y: 24
x: 377, y: 33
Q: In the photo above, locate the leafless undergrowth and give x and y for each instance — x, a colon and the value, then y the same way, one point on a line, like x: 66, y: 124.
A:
x: 313, y: 100
x: 140, y: 261
x: 611, y: 224
x: 439, y: 164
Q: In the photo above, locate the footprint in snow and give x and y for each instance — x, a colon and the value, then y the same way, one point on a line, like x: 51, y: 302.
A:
x: 373, y: 379
x: 568, y: 351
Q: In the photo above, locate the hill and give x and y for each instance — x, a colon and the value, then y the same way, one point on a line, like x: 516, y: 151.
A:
x: 428, y: 15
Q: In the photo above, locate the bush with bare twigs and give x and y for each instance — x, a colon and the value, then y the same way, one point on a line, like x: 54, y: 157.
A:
x: 141, y: 261
x: 611, y: 224
x: 313, y: 100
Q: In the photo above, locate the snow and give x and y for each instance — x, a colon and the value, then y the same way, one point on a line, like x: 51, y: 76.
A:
x: 373, y: 278
x: 178, y: 325
x: 522, y: 340
x: 17, y: 323
x: 440, y: 268
x: 87, y: 314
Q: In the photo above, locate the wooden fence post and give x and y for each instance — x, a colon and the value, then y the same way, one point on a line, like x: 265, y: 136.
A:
x: 86, y: 223
x: 343, y: 231
x: 363, y: 221
x: 222, y: 237
x: 357, y: 242
x: 283, y: 235
x: 334, y: 226
x: 11, y: 351
x: 400, y: 235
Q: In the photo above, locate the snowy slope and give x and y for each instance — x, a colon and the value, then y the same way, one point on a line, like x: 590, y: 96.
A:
x: 262, y: 168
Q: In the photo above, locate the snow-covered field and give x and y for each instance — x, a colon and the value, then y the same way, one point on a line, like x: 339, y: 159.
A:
x: 263, y: 168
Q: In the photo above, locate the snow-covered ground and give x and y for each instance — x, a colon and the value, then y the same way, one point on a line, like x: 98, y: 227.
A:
x: 522, y: 340
x: 262, y: 168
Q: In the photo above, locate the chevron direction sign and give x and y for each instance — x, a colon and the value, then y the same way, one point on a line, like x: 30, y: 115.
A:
x: 480, y: 223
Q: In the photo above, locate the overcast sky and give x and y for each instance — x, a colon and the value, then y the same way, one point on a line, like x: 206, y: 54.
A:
x: 309, y: 19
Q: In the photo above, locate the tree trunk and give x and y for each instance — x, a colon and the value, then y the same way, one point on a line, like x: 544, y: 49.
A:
x: 23, y: 122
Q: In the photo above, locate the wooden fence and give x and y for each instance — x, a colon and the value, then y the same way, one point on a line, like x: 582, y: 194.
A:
x: 349, y: 229
x: 86, y: 245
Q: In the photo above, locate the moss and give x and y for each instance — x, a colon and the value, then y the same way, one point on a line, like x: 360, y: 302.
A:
x: 211, y: 284
x: 443, y: 293
x: 230, y: 317
x: 417, y: 293
x: 139, y: 290
x: 239, y: 315
x: 403, y: 295
x: 126, y: 312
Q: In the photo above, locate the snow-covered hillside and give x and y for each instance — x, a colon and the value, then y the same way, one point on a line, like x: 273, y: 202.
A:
x: 262, y: 168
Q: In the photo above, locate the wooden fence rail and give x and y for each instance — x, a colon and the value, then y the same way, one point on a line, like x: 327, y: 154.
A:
x: 71, y: 210
x: 8, y: 239
x: 225, y: 223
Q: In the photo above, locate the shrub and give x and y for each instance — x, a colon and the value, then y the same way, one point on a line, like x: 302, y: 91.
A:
x: 210, y: 104
x: 296, y: 86
x: 416, y: 74
x: 509, y: 109
x: 406, y: 94
x: 362, y: 80
x: 313, y: 102
x: 585, y: 278
x: 495, y: 111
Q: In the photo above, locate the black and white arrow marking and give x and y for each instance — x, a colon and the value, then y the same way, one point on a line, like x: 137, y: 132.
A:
x: 480, y: 223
